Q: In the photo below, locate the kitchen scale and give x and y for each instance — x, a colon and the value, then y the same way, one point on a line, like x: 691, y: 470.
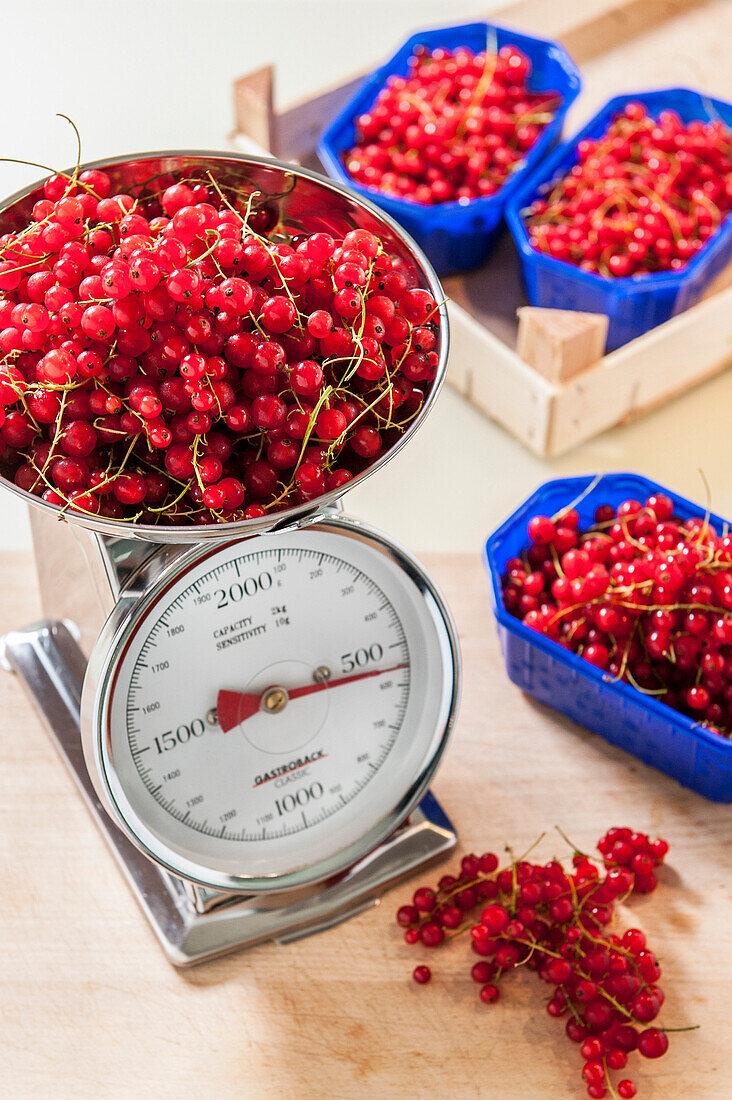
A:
x: 253, y: 715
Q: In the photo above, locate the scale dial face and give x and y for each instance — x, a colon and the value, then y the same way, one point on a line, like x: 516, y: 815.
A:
x: 272, y: 709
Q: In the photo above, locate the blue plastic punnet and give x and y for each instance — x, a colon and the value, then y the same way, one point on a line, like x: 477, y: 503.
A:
x: 456, y: 236
x: 636, y: 303
x: 638, y: 723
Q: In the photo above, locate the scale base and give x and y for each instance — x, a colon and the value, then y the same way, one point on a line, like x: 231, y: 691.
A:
x: 192, y: 923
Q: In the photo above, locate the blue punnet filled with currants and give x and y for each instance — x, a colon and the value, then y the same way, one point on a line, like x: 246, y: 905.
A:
x: 443, y: 132
x: 612, y: 598
x: 630, y: 217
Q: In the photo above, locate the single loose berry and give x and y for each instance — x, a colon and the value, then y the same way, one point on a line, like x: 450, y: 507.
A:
x: 652, y: 1043
x: 421, y: 974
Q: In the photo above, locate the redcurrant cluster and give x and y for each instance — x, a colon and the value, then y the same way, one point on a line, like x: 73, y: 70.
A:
x: 643, y: 594
x: 554, y: 922
x: 181, y: 355
x: 644, y: 197
x: 453, y: 129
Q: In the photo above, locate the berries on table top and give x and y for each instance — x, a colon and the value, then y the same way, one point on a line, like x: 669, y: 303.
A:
x: 644, y: 197
x: 641, y: 594
x: 185, y: 355
x: 554, y: 921
x: 453, y: 129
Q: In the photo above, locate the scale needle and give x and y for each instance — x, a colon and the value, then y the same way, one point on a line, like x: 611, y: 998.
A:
x: 234, y: 707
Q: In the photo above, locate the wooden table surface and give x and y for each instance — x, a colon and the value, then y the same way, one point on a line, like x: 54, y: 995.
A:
x: 89, y: 1007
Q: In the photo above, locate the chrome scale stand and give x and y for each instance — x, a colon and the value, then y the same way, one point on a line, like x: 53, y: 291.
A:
x: 193, y: 923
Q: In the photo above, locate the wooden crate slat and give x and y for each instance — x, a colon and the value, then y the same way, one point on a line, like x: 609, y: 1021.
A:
x: 254, y: 106
x: 620, y: 23
x: 643, y: 374
x: 559, y: 19
x: 560, y: 343
x: 492, y: 376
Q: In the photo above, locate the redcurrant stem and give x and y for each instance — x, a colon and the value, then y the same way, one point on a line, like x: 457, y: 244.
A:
x: 422, y: 106
x: 458, y: 932
x: 608, y: 1082
x: 434, y: 311
x: 644, y: 690
x: 36, y: 164
x: 262, y: 240
x: 360, y: 415
x: 172, y: 503
x: 542, y: 117
x: 458, y: 888
x: 121, y: 466
x: 270, y: 194
x: 514, y: 880
x: 615, y: 1003
x: 711, y: 726
x: 530, y: 849
x: 570, y: 1006
x: 707, y: 509
x: 573, y: 892
x: 599, y: 941
x: 257, y: 325
x: 484, y: 81
x: 405, y: 353
x: 586, y: 976
x: 666, y: 209
x: 532, y: 948
x: 74, y: 127
x: 209, y: 251
x: 625, y: 657
x: 34, y: 260
x: 196, y: 469
x: 325, y: 395
x: 578, y: 499
x: 555, y: 559
x: 691, y: 1027
x: 55, y: 438
x: 281, y: 496
x: 575, y: 626
x: 572, y: 845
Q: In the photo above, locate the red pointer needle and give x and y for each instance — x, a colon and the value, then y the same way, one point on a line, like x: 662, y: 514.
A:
x: 234, y: 707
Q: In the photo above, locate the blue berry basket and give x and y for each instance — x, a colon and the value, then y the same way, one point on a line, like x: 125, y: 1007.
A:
x: 635, y: 303
x: 456, y: 236
x: 650, y: 730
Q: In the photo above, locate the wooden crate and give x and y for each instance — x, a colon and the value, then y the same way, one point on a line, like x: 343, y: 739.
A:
x: 619, y: 46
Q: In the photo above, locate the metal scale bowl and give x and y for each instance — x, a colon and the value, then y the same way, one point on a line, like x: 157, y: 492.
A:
x: 103, y: 582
